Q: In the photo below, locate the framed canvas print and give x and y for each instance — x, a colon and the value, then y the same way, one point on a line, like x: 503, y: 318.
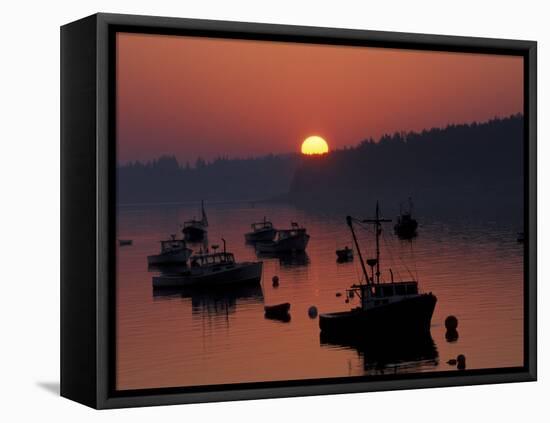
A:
x: 256, y: 211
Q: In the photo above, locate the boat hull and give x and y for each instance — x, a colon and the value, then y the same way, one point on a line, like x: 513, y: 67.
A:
x: 169, y: 258
x: 278, y: 312
x: 243, y: 273
x: 406, y: 229
x: 391, y: 352
x: 287, y: 245
x: 260, y: 236
x: 277, y: 309
x: 412, y: 315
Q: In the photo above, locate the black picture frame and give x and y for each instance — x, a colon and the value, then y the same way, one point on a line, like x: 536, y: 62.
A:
x: 88, y: 218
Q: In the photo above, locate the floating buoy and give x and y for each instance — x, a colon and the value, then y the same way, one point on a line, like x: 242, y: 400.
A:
x: 461, y: 362
x: 312, y: 312
x: 451, y: 323
x: 338, y: 294
x: 275, y: 280
x: 347, y: 300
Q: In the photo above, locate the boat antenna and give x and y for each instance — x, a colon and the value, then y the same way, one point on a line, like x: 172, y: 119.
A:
x: 349, y: 222
x: 377, y: 230
x: 223, y: 245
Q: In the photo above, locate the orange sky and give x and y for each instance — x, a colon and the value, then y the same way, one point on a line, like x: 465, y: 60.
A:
x: 193, y: 96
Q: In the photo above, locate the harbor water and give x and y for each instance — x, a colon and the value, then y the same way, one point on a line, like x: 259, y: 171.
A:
x: 176, y: 338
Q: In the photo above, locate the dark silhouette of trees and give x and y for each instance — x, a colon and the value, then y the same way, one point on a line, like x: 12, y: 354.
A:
x: 165, y: 180
x: 465, y: 168
x: 468, y: 168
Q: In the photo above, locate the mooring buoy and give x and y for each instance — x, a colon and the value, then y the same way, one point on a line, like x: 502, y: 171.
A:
x: 275, y: 281
x: 312, y: 312
x: 451, y: 323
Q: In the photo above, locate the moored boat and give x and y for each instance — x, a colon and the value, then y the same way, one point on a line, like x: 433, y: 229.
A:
x: 195, y: 230
x: 172, y: 251
x: 406, y: 225
x: 290, y: 240
x: 212, y: 269
x: 344, y: 255
x: 277, y: 311
x: 385, y: 307
x: 261, y: 231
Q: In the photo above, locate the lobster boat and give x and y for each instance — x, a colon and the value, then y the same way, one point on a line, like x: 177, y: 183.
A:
x: 293, y: 240
x: 386, y: 308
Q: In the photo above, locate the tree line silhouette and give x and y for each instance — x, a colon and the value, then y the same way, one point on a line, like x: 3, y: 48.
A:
x: 223, y: 179
x: 467, y: 168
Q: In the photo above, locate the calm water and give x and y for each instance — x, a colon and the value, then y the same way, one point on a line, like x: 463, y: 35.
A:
x: 193, y: 338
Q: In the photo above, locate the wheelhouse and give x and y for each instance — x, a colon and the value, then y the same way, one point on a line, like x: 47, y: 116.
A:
x: 383, y: 293
x: 395, y: 288
x: 172, y: 245
x: 192, y: 223
x: 261, y: 226
x: 213, y: 259
x: 294, y: 231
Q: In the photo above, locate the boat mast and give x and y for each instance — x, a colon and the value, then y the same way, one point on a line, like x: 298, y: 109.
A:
x: 204, y: 219
x: 348, y: 221
x: 377, y: 229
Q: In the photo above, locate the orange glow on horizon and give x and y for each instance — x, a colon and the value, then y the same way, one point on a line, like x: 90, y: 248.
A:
x: 202, y: 97
x: 314, y: 145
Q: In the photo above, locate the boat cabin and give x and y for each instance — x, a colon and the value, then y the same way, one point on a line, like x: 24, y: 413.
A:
x: 192, y: 223
x: 294, y: 231
x: 214, y: 259
x: 172, y: 245
x: 404, y: 218
x: 260, y: 226
x: 373, y: 295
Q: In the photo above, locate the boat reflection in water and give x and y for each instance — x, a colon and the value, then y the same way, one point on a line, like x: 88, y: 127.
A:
x: 299, y: 258
x: 214, y: 301
x: 385, y: 355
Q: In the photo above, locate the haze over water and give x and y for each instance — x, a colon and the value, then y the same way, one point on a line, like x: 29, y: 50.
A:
x: 474, y: 268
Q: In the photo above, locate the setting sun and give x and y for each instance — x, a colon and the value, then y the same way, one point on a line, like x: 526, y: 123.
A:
x: 314, y: 145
